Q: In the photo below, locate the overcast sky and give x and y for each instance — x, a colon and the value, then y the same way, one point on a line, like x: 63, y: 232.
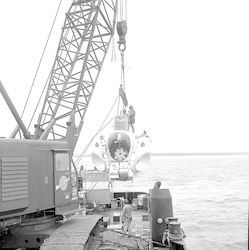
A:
x: 187, y: 70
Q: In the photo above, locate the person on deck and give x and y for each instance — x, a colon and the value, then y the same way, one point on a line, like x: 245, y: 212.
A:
x: 132, y: 115
x: 126, y: 217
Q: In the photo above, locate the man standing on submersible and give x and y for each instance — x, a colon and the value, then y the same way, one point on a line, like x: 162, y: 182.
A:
x: 131, y: 115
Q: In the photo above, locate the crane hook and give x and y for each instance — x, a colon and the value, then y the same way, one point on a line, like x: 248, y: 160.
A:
x: 122, y: 30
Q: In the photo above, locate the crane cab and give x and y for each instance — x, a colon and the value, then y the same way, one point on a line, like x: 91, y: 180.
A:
x: 65, y: 182
x: 36, y: 176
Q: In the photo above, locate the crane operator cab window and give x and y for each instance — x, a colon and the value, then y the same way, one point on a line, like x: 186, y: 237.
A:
x: 62, y: 162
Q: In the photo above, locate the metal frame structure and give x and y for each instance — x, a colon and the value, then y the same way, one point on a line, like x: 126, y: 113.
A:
x: 85, y: 38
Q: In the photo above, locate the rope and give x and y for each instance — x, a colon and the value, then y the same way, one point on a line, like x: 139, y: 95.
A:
x: 122, y: 69
x: 66, y: 35
x: 141, y: 238
x: 122, y: 80
x: 126, y: 11
x: 81, y: 175
x: 88, y: 145
x: 39, y: 101
x: 103, y: 193
x: 99, y: 130
x: 114, y: 57
x: 122, y: 11
x: 96, y: 180
x: 118, y: 105
x: 41, y: 60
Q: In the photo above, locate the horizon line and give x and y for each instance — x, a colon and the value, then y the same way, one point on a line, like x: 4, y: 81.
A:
x: 189, y: 154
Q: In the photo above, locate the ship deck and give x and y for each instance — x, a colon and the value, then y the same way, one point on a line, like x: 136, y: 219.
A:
x: 113, y: 236
x: 100, y: 230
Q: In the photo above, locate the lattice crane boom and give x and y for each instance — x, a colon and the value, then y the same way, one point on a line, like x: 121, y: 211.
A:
x: 85, y: 38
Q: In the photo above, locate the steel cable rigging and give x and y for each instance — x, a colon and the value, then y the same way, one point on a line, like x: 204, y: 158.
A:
x: 38, y: 68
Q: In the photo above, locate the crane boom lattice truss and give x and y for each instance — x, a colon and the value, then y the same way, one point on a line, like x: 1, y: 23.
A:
x: 85, y: 38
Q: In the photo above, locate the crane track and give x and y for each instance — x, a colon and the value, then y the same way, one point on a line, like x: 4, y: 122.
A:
x: 96, y: 237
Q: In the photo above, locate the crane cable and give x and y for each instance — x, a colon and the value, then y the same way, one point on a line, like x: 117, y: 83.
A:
x: 122, y: 11
x: 48, y: 38
x: 122, y: 83
x: 89, y: 143
x: 49, y: 76
x: 122, y: 30
x: 102, y: 126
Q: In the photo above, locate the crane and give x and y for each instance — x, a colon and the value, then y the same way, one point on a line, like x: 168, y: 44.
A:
x: 38, y: 176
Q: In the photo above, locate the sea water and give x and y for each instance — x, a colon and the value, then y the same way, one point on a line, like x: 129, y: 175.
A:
x: 209, y: 193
